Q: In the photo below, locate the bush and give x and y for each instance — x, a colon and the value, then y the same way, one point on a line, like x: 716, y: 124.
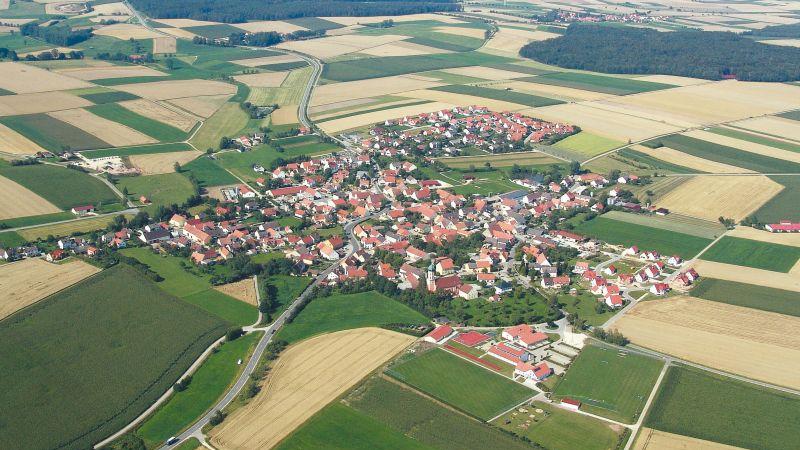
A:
x: 234, y: 334
x: 217, y: 418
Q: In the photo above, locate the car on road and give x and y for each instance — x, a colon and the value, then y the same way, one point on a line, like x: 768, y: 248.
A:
x: 173, y: 440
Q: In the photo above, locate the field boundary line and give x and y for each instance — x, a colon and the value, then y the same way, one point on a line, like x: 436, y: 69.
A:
x: 514, y: 407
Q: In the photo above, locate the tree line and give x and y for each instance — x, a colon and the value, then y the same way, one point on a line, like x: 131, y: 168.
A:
x: 62, y: 35
x: 691, y: 53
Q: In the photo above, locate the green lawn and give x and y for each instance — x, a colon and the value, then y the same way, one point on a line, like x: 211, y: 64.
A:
x: 338, y: 427
x: 98, y: 359
x: 426, y: 421
x: 783, y: 205
x: 756, y: 254
x: 52, y: 134
x: 598, y: 83
x: 646, y: 238
x: 60, y: 186
x: 162, y: 189
x: 587, y: 144
x: 499, y: 94
x: 208, y: 384
x: 720, y: 409
x: 289, y: 288
x: 557, y: 429
x: 138, y: 150
x: 485, y: 187
x: 153, y: 128
x: 610, y: 382
x: 208, y: 172
x: 242, y: 163
x: 343, y: 312
x: 749, y: 296
x: 463, y: 385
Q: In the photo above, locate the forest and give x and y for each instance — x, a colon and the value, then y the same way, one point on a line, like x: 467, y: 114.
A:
x: 692, y: 53
x: 237, y: 11
x: 777, y: 31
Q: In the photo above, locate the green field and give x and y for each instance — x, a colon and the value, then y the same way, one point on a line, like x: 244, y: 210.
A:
x: 377, y: 108
x: 646, y: 238
x: 241, y: 164
x: 584, y: 304
x: 280, y: 67
x: 314, y: 23
x: 227, y: 121
x: 748, y: 295
x: 672, y: 222
x: 214, y: 31
x: 610, y: 382
x: 98, y: 358
x: 586, y: 144
x: 784, y: 205
x: 598, y: 83
x: 485, y: 187
x: 36, y: 220
x: 343, y: 312
x: 162, y: 189
x: 757, y: 138
x: 153, y: 128
x: 109, y: 97
x: 10, y: 239
x: 468, y: 387
x: 67, y: 228
x: 208, y: 384
x: 426, y: 421
x: 720, y: 409
x: 60, y: 186
x: 791, y: 115
x: 499, y: 94
x: 361, y: 69
x: 138, y: 150
x: 52, y: 134
x: 557, y: 429
x: 208, y: 172
x: 726, y: 155
x: 338, y: 427
x: 289, y: 288
x: 184, y: 280
x: 653, y: 163
x: 756, y: 254
x: 424, y: 32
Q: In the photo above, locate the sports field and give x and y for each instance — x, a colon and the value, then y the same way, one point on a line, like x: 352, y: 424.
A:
x: 756, y: 254
x: 346, y: 311
x: 609, y: 382
x: 104, y: 360
x: 719, y: 409
x: 646, y: 238
x: 749, y: 295
x: 461, y: 384
x: 60, y: 186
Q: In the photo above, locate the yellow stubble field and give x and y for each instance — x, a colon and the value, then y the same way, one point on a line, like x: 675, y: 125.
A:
x: 24, y: 79
x: 709, y: 197
x: 680, y: 158
x: 156, y: 163
x: 650, y: 439
x: 19, y: 201
x: 244, y: 290
x: 114, y: 133
x: 160, y: 113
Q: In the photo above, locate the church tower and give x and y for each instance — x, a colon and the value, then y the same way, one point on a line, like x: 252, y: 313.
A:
x: 431, y: 279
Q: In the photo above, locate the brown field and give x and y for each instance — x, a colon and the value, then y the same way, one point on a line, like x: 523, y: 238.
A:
x: 106, y: 130
x: 204, y: 106
x: 463, y: 99
x: 165, y: 44
x: 487, y: 73
x: 15, y: 143
x: 166, y: 90
x: 709, y: 197
x: 24, y: 79
x: 18, y: 201
x: 788, y: 281
x: 269, y: 25
x: 155, y: 163
x: 306, y: 377
x: 125, y: 31
x: 792, y: 239
x: 265, y: 79
x: 744, y: 341
x: 650, y: 439
x: 286, y: 114
x: 40, y: 102
x: 500, y: 160
x: 255, y: 62
x: 747, y: 146
x: 559, y: 92
x: 778, y: 126
x: 402, y: 48
x: 510, y: 40
x: 26, y: 282
x: 347, y: 123
x: 244, y: 290
x: 98, y: 73
x: 160, y: 113
x: 686, y: 160
x: 349, y: 90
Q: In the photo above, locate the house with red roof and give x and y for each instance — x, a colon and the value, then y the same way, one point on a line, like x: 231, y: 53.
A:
x: 471, y: 338
x: 439, y: 334
x: 524, y: 335
x: 784, y: 226
x: 529, y: 371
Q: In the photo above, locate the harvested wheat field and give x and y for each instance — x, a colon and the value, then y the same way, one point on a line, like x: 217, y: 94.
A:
x: 486, y: 73
x: 23, y: 79
x: 747, y: 146
x: 709, y: 197
x: 265, y: 79
x: 776, y: 126
x: 19, y: 201
x: 126, y: 31
x: 347, y: 123
x: 680, y: 158
x: 343, y: 105
x: 553, y: 91
x: 179, y: 33
x: 402, y: 48
x: 116, y: 134
x: 744, y: 341
x: 650, y: 439
x: 160, y: 113
x: 614, y: 125
x: 40, y: 102
x: 204, y: 106
x: 99, y: 73
x: 264, y: 60
x: 284, y: 115
x: 269, y: 25
x: 26, y: 282
x: 792, y: 239
x: 329, y: 47
x: 16, y: 144
x: 463, y: 99
x: 374, y: 87
x: 164, y: 44
x: 155, y: 163
x: 166, y: 90
x: 509, y: 40
x: 306, y: 377
x: 244, y: 290
x: 788, y: 281
x: 356, y: 109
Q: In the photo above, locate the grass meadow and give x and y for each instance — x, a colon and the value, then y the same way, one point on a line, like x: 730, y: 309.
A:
x: 36, y: 220
x: 646, y: 238
x: 162, y: 189
x: 11, y: 239
x: 153, y: 128
x: 586, y: 144
x: 756, y: 254
x: 598, y: 83
x: 227, y: 121
x: 52, y: 134
x: 208, y: 172
x: 749, y: 295
x: 113, y: 347
x: 499, y: 94
x: 672, y: 222
x: 610, y: 382
x: 461, y: 384
x: 653, y: 163
x: 60, y: 186
x: 716, y: 408
x: 347, y: 311
x: 67, y: 228
x: 784, y: 205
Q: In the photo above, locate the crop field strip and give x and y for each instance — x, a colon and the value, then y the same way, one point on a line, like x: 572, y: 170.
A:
x: 598, y: 83
x: 586, y: 145
x: 497, y: 94
x: 755, y: 254
x: 755, y: 138
x: 108, y: 97
x: 673, y: 222
x: 52, y: 134
x: 626, y: 234
x: 60, y: 186
x: 782, y: 206
x: 104, y: 362
x: 652, y: 162
x: 138, y: 150
x: 749, y: 296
